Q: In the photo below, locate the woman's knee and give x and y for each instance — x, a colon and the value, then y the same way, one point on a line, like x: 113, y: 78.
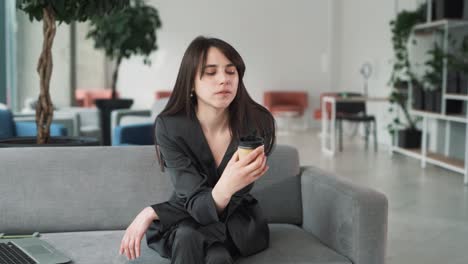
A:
x: 218, y: 254
x: 187, y: 236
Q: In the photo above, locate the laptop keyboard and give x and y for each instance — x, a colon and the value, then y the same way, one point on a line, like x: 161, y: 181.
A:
x: 11, y: 254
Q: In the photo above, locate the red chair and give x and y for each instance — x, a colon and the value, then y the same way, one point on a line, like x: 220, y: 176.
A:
x: 86, y: 97
x: 286, y: 104
x: 162, y: 94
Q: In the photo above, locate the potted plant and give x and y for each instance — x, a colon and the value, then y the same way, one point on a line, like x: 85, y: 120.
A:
x: 51, y: 12
x: 128, y: 32
x: 402, y: 77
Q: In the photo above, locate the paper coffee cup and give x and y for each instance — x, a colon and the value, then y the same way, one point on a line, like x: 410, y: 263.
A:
x: 248, y: 144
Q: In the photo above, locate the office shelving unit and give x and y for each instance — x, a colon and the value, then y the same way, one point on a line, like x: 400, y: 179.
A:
x: 423, y: 154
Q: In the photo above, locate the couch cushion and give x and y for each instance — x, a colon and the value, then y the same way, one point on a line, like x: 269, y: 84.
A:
x: 291, y: 244
x: 288, y: 244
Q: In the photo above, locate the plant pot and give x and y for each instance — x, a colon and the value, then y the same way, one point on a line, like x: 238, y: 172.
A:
x: 454, y: 107
x: 453, y: 86
x: 433, y: 101
x: 409, y: 138
x: 21, y: 142
x: 106, y: 106
x: 418, y: 98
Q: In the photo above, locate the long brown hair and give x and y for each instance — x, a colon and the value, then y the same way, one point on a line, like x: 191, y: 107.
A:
x: 243, y: 108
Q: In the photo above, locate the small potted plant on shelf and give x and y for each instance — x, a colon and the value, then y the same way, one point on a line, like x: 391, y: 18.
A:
x: 131, y: 31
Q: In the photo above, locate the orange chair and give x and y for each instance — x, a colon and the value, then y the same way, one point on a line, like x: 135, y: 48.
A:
x: 286, y: 104
x: 162, y: 94
x: 86, y: 97
x: 279, y: 102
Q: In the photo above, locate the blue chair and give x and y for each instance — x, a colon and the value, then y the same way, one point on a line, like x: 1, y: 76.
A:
x: 139, y: 133
x: 134, y: 134
x: 9, y: 128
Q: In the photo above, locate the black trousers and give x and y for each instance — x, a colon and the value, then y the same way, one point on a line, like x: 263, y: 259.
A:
x: 189, y: 246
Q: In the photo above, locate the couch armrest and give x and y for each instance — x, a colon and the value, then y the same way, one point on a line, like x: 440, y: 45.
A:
x: 350, y: 219
x: 29, y: 129
x: 136, y: 134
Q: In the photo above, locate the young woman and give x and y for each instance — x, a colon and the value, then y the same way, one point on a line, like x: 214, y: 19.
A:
x: 211, y: 217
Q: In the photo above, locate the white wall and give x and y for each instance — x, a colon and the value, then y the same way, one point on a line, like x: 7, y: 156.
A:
x: 362, y: 34
x: 29, y: 40
x: 282, y: 43
x: 90, y: 63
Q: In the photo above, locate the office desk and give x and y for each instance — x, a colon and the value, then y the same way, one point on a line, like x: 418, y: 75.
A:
x: 329, y: 120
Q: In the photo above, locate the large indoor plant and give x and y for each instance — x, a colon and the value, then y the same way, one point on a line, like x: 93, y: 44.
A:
x: 401, y: 29
x: 401, y: 77
x: 131, y: 31
x: 51, y: 12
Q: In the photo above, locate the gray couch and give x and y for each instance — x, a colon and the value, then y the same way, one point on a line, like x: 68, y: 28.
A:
x: 81, y: 199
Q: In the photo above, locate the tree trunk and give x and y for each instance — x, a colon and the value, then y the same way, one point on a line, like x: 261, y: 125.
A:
x: 44, y: 107
x: 115, y: 76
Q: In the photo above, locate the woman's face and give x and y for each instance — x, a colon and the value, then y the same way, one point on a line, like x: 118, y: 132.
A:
x: 218, y: 86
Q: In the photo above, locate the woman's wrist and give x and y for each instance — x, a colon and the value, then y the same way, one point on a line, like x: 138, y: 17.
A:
x: 222, y: 193
x: 222, y: 190
x: 221, y: 197
x: 150, y: 214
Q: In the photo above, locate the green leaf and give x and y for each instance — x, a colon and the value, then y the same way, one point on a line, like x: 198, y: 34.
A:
x: 71, y: 10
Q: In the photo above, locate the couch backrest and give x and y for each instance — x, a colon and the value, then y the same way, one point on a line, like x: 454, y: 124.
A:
x: 102, y: 188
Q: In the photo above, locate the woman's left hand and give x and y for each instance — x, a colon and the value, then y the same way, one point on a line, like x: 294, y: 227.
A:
x: 130, y: 244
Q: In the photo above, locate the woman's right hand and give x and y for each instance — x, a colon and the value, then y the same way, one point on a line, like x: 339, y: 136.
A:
x: 240, y: 173
x: 130, y: 244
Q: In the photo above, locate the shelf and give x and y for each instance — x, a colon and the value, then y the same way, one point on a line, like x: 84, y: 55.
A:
x: 451, y: 23
x: 415, y: 153
x: 455, y: 118
x: 444, y: 161
x: 461, y: 97
x: 434, y: 158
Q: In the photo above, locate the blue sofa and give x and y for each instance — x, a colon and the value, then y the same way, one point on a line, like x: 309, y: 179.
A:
x: 134, y: 134
x: 9, y: 128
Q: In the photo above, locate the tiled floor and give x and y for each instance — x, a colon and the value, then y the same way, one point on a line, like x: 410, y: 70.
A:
x: 428, y: 208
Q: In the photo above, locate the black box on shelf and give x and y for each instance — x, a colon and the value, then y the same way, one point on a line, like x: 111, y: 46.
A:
x: 454, y: 107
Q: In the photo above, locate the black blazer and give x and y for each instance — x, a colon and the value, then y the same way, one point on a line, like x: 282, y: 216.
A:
x: 189, y: 163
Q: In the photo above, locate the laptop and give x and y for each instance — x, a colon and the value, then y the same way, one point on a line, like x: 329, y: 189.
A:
x: 29, y: 250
